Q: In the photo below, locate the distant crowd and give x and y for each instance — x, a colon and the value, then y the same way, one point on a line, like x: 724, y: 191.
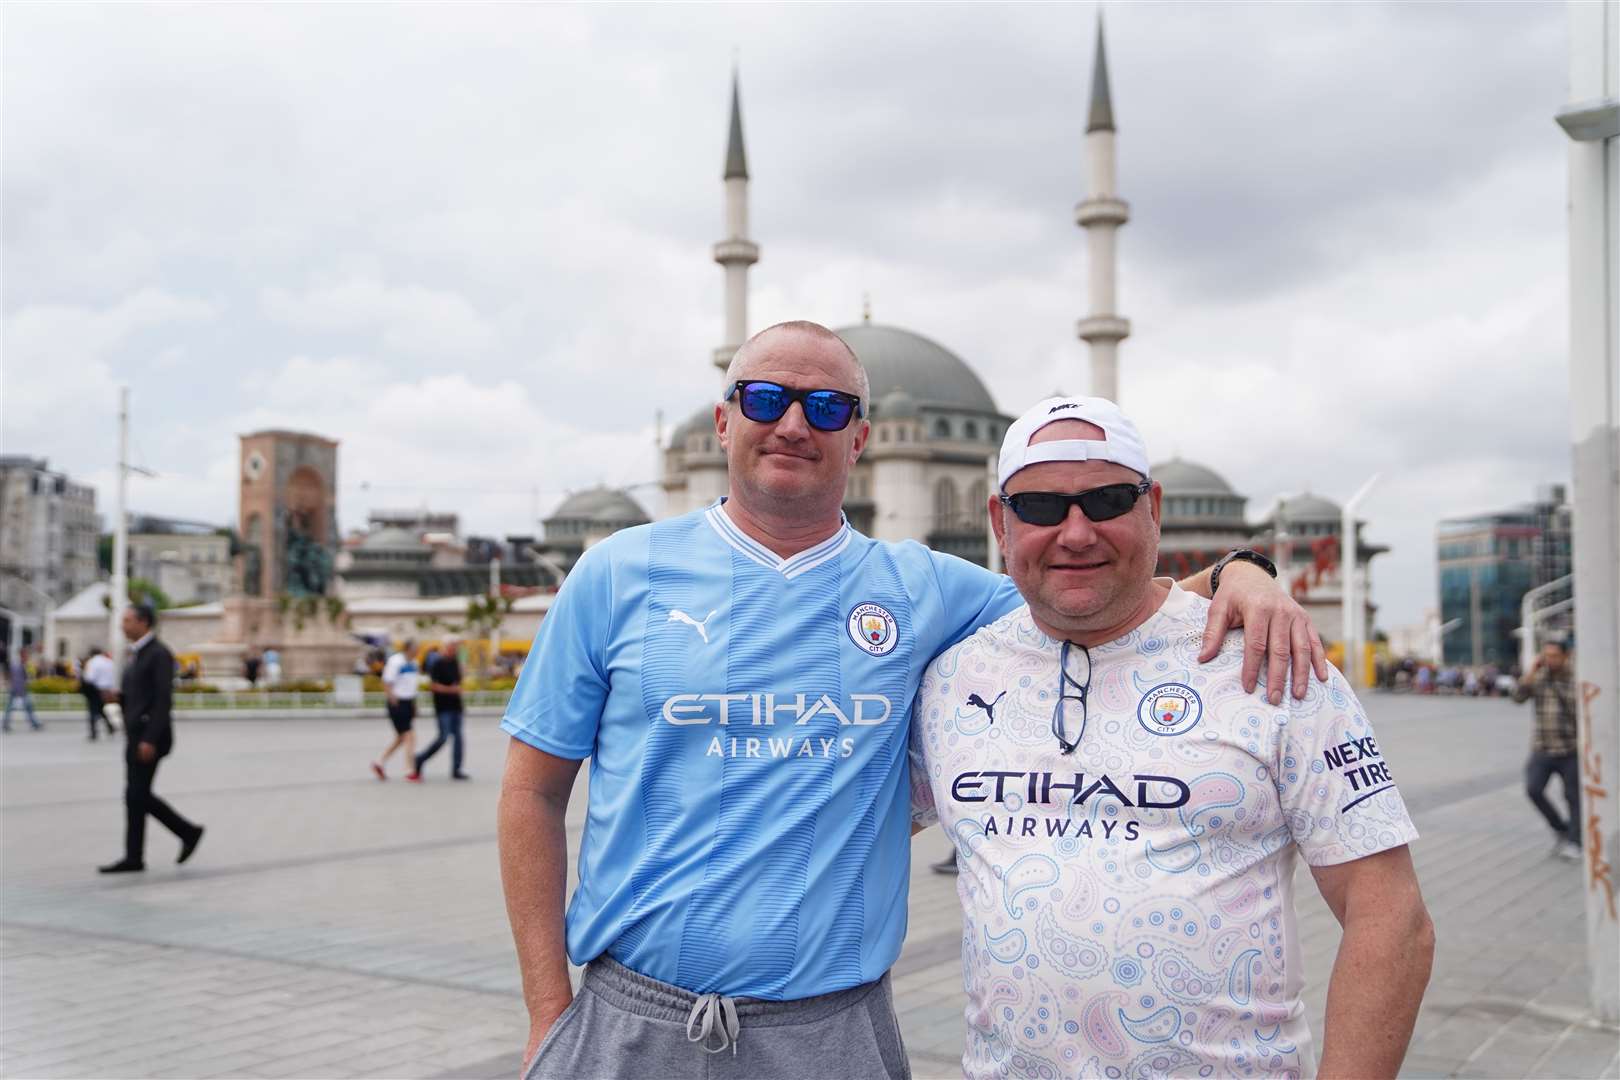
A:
x: 33, y: 666
x: 1409, y: 675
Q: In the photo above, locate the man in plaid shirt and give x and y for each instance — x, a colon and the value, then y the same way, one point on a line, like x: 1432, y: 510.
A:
x: 1553, y: 743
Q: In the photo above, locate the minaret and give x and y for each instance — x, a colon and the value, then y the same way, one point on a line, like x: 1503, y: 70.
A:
x: 1100, y: 215
x: 736, y: 253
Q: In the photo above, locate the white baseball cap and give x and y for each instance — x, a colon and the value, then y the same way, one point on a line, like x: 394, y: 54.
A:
x: 1121, y: 442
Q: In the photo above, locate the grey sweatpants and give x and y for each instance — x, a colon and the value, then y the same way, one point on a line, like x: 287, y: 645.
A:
x: 622, y: 1024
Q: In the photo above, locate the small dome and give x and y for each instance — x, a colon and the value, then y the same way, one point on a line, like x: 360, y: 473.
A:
x: 1179, y: 477
x: 599, y: 504
x: 1308, y: 507
x: 895, y: 405
x: 897, y: 359
x: 699, y: 423
x: 392, y: 538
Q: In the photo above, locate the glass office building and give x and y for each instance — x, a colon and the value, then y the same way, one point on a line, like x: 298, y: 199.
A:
x: 1487, y: 563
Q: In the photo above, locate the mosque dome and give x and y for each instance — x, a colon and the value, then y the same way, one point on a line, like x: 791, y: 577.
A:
x: 931, y: 374
x: 1196, y: 497
x: 895, y: 405
x: 1308, y: 507
x: 600, y: 504
x: 699, y: 423
x: 1180, y: 477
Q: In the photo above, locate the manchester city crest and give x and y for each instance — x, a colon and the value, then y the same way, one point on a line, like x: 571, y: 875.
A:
x: 873, y: 629
x: 1170, y: 709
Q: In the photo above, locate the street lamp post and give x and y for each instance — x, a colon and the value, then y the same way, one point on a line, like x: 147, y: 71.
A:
x: 1355, y: 621
x: 1437, y: 636
x: 119, y: 597
x: 1592, y: 123
x: 1528, y: 617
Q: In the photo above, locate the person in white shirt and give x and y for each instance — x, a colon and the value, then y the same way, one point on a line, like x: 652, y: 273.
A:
x: 97, y: 682
x: 1127, y: 821
x: 401, y: 679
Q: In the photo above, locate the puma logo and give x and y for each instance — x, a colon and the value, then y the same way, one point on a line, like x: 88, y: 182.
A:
x: 678, y: 615
x: 990, y: 708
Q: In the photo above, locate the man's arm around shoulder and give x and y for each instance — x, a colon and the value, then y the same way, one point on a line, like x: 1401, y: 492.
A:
x: 534, y: 876
x: 1382, y: 967
x: 1276, y: 630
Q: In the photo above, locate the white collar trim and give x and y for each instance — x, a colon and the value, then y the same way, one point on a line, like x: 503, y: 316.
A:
x: 790, y: 567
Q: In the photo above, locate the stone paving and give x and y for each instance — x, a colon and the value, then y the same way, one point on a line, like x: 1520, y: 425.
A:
x: 333, y: 926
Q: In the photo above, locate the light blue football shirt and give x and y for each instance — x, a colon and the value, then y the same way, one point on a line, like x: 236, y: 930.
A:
x: 746, y: 717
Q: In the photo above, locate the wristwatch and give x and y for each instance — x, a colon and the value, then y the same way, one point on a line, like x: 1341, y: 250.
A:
x: 1244, y: 554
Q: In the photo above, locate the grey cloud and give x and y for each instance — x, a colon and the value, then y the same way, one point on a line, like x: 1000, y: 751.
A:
x: 529, y: 194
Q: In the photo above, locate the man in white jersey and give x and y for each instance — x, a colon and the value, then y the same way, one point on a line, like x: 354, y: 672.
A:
x: 741, y: 678
x: 1127, y: 820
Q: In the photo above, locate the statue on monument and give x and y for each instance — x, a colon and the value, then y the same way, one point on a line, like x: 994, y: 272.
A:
x: 309, y: 564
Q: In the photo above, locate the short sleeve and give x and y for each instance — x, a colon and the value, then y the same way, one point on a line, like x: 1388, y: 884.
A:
x: 972, y: 597
x: 557, y: 703
x: 1338, y: 791
x: 923, y: 810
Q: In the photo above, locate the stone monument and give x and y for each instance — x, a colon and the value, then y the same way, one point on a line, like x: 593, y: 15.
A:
x: 288, y: 525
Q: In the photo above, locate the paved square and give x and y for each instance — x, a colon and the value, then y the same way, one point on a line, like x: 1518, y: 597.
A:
x: 334, y: 926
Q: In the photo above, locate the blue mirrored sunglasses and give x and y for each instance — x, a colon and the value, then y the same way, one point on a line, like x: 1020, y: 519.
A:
x: 767, y: 402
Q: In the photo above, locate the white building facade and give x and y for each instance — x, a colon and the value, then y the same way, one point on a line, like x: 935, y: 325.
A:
x: 192, y: 567
x: 48, y: 534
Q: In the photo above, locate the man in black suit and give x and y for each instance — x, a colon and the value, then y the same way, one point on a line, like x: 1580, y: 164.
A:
x: 147, y: 696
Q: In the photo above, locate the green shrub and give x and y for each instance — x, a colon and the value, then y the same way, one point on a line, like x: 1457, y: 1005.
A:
x: 301, y: 686
x: 53, y: 684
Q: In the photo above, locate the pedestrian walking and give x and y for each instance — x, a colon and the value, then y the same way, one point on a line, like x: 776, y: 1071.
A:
x: 272, y: 667
x: 97, y: 681
x: 250, y: 670
x: 17, y: 676
x: 1124, y: 795
x: 147, y: 697
x: 1553, y: 744
x: 400, y: 681
x: 444, y: 680
x: 742, y: 678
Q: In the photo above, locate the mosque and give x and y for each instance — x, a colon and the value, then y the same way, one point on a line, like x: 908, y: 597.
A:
x: 928, y: 466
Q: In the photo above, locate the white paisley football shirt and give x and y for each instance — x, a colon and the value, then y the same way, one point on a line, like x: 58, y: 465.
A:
x: 1128, y: 908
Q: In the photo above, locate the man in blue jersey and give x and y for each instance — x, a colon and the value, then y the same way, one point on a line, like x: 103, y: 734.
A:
x: 741, y: 678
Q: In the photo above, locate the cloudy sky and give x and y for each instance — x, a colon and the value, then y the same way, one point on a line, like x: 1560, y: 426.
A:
x: 472, y: 242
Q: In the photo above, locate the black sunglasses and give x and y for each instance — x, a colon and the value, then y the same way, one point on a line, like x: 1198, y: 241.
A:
x: 767, y: 402
x: 1099, y: 504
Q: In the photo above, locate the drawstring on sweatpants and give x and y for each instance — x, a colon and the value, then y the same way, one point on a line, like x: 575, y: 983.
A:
x: 705, y: 1009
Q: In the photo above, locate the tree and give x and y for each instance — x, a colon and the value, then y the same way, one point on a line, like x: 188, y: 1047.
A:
x: 141, y: 590
x: 485, y: 615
